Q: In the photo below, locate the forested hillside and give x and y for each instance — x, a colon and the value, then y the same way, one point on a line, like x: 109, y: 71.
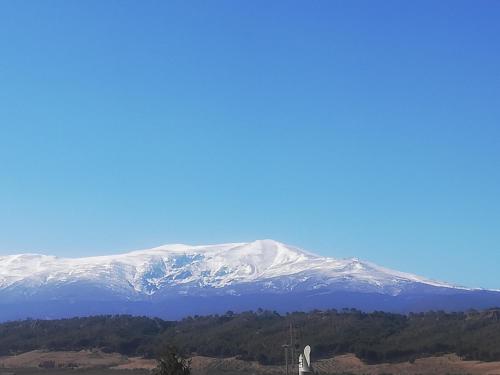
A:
x: 374, y: 337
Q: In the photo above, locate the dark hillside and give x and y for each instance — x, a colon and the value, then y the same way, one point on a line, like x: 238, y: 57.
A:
x: 374, y: 337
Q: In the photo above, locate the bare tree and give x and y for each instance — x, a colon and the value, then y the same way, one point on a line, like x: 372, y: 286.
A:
x: 172, y: 363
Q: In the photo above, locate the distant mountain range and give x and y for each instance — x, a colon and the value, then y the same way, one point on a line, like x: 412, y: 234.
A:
x: 173, y: 281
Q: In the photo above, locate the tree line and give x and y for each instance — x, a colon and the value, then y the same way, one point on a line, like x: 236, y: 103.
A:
x: 374, y: 337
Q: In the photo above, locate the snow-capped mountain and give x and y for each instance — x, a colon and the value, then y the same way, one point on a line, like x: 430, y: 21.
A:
x: 175, y: 280
x: 268, y: 264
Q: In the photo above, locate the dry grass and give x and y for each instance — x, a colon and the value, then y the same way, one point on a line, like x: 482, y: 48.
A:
x: 350, y: 364
x: 345, y: 364
x: 448, y: 364
x: 81, y: 359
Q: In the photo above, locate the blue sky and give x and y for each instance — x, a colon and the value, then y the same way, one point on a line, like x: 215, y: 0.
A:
x: 350, y: 128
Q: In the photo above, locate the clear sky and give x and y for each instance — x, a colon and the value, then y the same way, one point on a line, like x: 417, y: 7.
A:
x: 348, y: 128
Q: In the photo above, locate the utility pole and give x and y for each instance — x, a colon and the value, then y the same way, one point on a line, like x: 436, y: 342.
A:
x: 292, y: 347
x: 286, y: 346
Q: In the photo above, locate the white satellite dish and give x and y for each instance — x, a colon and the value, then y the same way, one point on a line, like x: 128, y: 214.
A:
x: 307, y: 355
x: 305, y: 367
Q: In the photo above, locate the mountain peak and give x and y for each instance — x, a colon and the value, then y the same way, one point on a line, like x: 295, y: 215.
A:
x: 214, y: 267
x: 266, y: 270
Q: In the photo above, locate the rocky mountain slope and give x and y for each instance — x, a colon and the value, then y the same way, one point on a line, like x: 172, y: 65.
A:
x: 175, y: 280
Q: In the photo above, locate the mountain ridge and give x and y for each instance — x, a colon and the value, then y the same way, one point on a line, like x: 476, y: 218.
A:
x: 235, y: 275
x: 255, y: 260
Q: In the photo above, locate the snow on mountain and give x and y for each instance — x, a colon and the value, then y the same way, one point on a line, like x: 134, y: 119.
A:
x: 173, y: 281
x: 259, y: 266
